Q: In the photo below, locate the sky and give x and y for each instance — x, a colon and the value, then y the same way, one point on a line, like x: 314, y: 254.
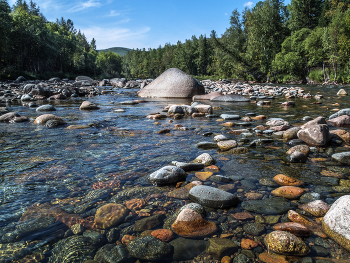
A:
x: 143, y: 23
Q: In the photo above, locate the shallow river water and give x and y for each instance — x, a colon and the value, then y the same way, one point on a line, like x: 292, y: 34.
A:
x: 53, y: 178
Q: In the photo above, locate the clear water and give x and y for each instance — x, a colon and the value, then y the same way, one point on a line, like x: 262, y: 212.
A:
x: 58, y: 166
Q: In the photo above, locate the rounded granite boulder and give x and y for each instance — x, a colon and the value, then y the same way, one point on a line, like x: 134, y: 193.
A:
x: 167, y: 175
x: 173, y: 83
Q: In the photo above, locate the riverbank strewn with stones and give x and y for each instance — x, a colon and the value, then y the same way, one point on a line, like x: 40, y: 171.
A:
x: 227, y: 172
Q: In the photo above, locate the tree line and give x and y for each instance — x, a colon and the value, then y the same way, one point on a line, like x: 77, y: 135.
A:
x: 31, y: 45
x: 307, y: 40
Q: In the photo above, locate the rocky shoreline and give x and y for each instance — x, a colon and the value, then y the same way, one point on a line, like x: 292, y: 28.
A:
x: 177, y: 219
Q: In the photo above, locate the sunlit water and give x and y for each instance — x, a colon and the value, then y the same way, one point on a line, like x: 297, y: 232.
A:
x: 41, y: 165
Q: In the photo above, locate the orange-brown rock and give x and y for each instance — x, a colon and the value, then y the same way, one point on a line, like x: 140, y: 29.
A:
x: 285, y: 180
x: 182, y: 193
x: 42, y: 119
x: 242, y: 215
x: 212, y: 168
x: 164, y: 235
x: 203, y: 175
x: 289, y: 192
x: 341, y: 135
x: 294, y: 228
x: 270, y: 257
x: 260, y: 117
x: 331, y: 174
x: 248, y: 243
x: 127, y: 238
x: 310, y: 224
x: 226, y: 259
x: 228, y: 124
x: 299, y: 148
x: 110, y: 215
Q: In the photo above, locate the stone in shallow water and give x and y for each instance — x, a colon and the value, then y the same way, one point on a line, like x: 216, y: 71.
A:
x: 317, y: 208
x: 282, y: 179
x: 206, y: 145
x: 149, y: 248
x: 189, y: 223
x: 183, y: 192
x: 205, y: 159
x: 111, y: 253
x: 343, y: 157
x: 148, y: 222
x: 336, y: 223
x: 42, y: 119
x: 289, y: 192
x: 73, y: 249
x: 87, y: 105
x: 110, y: 215
x: 46, y: 107
x: 254, y: 229
x: 220, y: 247
x: 294, y: 228
x: 168, y: 175
x: 231, y: 98
x: 271, y: 206
x: 285, y: 243
x: 187, y: 249
x: 213, y: 197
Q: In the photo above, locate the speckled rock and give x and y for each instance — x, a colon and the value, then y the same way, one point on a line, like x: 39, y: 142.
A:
x: 336, y: 223
x: 285, y: 180
x: 220, y: 247
x: 205, y: 159
x: 110, y: 215
x: 291, y: 133
x: 213, y: 197
x: 315, y: 135
x: 341, y: 121
x: 285, y: 243
x: 317, y: 208
x: 148, y: 222
x: 254, y: 229
x: 227, y: 145
x: 168, y: 175
x: 149, y: 248
x: 187, y: 249
x: 316, y: 121
x: 289, y: 192
x: 87, y: 105
x: 341, y: 135
x: 343, y: 157
x: 42, y: 119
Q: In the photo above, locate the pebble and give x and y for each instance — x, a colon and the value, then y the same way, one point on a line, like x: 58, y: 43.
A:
x: 168, y: 175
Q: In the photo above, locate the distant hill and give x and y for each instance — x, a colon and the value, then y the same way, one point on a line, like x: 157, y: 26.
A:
x: 119, y: 50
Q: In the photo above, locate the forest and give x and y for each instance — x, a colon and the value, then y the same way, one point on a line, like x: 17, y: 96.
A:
x: 306, y: 41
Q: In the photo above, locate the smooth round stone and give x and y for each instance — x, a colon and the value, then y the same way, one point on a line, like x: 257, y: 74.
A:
x: 249, y: 183
x: 148, y: 223
x: 119, y: 110
x: 187, y: 249
x: 317, y: 208
x: 188, y: 166
x: 220, y: 247
x: 343, y: 157
x: 219, y: 138
x: 268, y: 131
x: 270, y: 206
x: 220, y: 178
x: 227, y: 145
x: 254, y: 229
x: 87, y: 105
x: 289, y: 192
x: 206, y: 145
x: 128, y: 102
x: 168, y: 175
x: 110, y: 215
x: 282, y: 179
x: 112, y: 253
x: 195, y: 207
x: 212, y: 197
x: 278, y: 135
x: 285, y: 243
x: 205, y: 159
x: 26, y: 97
x: 46, y: 107
x: 42, y: 119
x: 230, y: 117
x: 149, y: 248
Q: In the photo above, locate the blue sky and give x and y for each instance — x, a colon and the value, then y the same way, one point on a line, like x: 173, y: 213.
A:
x: 143, y: 23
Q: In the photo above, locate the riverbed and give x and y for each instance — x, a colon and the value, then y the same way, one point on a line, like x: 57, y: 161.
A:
x: 52, y: 173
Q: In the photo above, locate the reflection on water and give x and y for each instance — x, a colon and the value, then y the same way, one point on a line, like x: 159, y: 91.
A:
x: 53, y: 179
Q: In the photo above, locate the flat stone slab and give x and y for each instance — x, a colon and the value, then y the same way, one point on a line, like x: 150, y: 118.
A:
x: 271, y: 206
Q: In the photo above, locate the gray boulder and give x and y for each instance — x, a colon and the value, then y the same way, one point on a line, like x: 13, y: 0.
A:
x: 343, y: 157
x: 173, y: 83
x: 168, y: 175
x: 340, y: 113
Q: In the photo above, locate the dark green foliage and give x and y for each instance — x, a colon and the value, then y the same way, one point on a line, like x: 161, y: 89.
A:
x: 119, y: 50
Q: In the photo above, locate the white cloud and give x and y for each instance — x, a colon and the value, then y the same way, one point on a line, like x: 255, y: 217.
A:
x: 113, y: 13
x: 249, y: 4
x: 85, y: 5
x: 116, y: 37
